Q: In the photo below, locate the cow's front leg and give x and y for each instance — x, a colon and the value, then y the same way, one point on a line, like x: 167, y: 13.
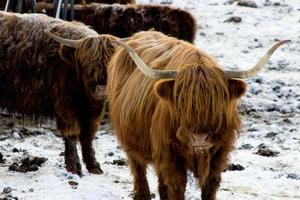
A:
x: 172, y: 180
x: 141, y: 187
x: 212, y: 183
x: 71, y: 157
x: 88, y: 153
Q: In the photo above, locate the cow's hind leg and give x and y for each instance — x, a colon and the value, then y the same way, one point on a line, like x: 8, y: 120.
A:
x: 88, y: 153
x: 141, y: 188
x: 71, y: 157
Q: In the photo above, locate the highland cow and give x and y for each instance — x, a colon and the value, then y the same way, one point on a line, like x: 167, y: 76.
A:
x: 125, y: 20
x: 27, y: 3
x: 40, y: 78
x: 183, y: 117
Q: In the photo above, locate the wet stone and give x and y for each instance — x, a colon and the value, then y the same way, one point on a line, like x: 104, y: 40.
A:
x: 271, y: 135
x: 265, y: 151
x: 73, y: 183
x: 119, y: 162
x: 235, y: 167
x: 7, y: 190
x: 234, y: 19
x: 246, y: 146
x: 27, y: 164
x: 293, y: 176
x: 247, y: 3
x: 1, y: 158
x: 111, y: 154
x: 15, y: 150
x: 152, y: 196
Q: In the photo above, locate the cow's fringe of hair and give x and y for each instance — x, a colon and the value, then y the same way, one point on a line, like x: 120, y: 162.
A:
x: 97, y: 51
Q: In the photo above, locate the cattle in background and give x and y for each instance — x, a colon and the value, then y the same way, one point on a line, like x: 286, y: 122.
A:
x: 182, y: 117
x: 27, y: 3
x: 125, y: 20
x: 40, y: 78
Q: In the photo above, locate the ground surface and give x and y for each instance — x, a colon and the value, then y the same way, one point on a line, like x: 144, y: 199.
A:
x: 269, y: 146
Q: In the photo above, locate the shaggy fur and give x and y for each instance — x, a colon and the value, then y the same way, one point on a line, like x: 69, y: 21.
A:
x: 155, y: 120
x: 39, y: 77
x: 125, y: 20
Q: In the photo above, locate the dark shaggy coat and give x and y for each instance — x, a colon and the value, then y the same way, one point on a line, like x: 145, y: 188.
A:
x: 125, y: 20
x: 39, y: 77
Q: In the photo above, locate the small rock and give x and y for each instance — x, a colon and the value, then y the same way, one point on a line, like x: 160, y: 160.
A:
x: 246, y: 146
x: 27, y: 164
x: 235, y: 167
x: 31, y: 190
x: 293, y: 176
x: 152, y: 196
x: 271, y: 134
x: 7, y: 190
x: 265, y: 151
x: 15, y: 150
x: 111, y: 154
x: 234, y: 19
x: 287, y: 120
x: 119, y: 162
x: 73, y: 183
x: 1, y: 158
x: 276, y: 4
x: 247, y: 3
x: 16, y: 135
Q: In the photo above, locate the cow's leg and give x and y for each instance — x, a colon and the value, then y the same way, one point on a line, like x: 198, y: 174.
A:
x: 162, y: 188
x: 141, y: 187
x: 173, y: 179
x: 86, y: 137
x: 212, y: 183
x: 71, y: 157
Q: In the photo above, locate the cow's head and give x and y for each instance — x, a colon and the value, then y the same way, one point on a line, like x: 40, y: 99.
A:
x: 90, y: 56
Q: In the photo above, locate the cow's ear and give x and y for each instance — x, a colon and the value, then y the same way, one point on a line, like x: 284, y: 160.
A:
x: 67, y: 54
x: 164, y: 89
x: 237, y: 88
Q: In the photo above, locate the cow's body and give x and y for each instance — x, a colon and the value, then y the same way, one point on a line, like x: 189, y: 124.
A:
x: 155, y: 121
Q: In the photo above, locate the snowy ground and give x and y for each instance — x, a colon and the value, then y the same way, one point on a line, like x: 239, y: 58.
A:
x: 270, y: 110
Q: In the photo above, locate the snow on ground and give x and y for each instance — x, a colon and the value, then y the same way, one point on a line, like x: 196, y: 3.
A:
x: 270, y: 111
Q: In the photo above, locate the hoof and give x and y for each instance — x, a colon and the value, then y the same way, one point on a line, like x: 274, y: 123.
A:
x: 74, y: 169
x: 95, y: 169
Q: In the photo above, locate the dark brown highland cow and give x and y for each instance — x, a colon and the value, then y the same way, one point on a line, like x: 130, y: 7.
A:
x: 187, y: 121
x: 39, y: 77
x: 125, y: 20
x: 27, y: 3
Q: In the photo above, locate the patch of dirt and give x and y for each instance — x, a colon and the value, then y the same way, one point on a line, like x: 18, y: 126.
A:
x: 27, y: 164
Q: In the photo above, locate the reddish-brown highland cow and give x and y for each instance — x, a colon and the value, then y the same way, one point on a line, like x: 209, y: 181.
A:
x: 41, y: 78
x: 125, y: 20
x: 183, y: 117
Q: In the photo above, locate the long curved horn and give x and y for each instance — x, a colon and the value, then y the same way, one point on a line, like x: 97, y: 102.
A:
x: 152, y: 73
x: 67, y: 42
x: 253, y: 71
